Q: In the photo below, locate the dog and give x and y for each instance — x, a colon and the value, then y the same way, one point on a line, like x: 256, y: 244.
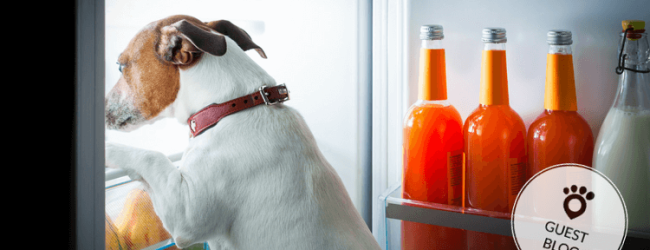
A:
x: 255, y: 179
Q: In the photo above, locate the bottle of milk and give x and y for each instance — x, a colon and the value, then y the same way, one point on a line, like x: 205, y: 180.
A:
x: 622, y: 150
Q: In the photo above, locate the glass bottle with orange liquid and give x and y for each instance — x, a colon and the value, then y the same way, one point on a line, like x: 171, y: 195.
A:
x: 559, y: 134
x: 432, y: 148
x: 495, y: 144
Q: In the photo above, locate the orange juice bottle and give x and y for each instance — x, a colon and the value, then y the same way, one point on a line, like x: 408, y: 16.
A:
x: 495, y: 144
x: 559, y: 134
x: 432, y: 149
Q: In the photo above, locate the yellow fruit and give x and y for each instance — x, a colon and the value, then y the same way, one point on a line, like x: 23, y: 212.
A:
x: 138, y: 223
x: 114, y: 240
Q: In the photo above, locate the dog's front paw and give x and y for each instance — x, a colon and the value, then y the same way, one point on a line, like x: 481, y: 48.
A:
x: 117, y: 157
x: 112, y: 152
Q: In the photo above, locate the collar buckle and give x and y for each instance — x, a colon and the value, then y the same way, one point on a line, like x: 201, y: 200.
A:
x: 282, y: 90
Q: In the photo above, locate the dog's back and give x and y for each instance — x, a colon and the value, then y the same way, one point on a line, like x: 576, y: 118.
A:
x: 281, y: 189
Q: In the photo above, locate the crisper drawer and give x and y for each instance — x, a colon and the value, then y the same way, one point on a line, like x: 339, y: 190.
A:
x: 452, y: 225
x: 131, y: 222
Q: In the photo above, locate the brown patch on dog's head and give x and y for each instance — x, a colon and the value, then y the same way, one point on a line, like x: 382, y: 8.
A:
x: 150, y: 65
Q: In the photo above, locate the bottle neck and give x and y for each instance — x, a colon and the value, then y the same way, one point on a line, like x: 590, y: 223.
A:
x: 560, y: 90
x: 633, y: 92
x: 494, y: 75
x: 560, y: 49
x: 433, y: 76
x: 431, y: 44
x: 637, y: 51
x: 494, y: 46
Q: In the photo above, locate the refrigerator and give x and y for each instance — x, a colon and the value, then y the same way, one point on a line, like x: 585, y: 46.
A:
x: 352, y: 71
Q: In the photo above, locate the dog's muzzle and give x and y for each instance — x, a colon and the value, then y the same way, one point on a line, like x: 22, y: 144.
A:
x: 212, y: 114
x: 120, y: 112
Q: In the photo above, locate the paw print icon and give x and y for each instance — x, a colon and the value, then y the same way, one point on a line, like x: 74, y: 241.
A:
x: 580, y: 196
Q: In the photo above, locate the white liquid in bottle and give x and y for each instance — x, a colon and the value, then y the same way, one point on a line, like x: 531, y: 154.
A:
x: 623, y: 155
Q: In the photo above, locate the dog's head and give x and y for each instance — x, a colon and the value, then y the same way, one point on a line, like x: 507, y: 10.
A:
x: 151, y: 62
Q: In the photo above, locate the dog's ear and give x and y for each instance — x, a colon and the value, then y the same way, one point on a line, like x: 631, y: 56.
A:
x: 182, y: 43
x: 237, y: 34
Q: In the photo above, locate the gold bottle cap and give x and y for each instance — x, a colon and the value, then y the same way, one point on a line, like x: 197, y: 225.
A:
x: 634, y: 24
x: 637, y: 26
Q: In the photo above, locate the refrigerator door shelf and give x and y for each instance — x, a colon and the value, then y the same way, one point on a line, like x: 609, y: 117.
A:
x: 396, y: 209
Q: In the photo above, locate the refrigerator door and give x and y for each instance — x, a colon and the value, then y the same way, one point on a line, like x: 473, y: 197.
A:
x: 396, y: 44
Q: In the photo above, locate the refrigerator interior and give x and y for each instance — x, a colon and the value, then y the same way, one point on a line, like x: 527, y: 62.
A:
x: 311, y: 47
x: 319, y: 49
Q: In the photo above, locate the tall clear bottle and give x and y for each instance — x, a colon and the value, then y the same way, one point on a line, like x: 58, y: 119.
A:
x: 432, y: 148
x: 495, y: 144
x: 559, y: 134
x: 622, y: 150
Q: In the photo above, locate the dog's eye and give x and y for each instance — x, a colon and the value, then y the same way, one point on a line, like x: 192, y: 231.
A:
x: 120, y: 66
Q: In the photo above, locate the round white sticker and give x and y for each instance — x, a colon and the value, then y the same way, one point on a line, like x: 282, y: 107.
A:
x: 569, y: 207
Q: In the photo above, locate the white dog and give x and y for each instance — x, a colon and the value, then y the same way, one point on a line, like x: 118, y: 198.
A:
x: 256, y: 179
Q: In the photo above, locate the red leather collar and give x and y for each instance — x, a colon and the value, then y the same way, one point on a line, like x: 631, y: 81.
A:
x: 210, y: 115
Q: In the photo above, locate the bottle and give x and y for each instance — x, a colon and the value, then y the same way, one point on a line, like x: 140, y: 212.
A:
x: 622, y: 151
x: 495, y: 144
x: 432, y: 148
x: 559, y: 134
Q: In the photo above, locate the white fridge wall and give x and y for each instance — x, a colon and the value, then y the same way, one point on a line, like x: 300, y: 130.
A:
x: 317, y: 48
